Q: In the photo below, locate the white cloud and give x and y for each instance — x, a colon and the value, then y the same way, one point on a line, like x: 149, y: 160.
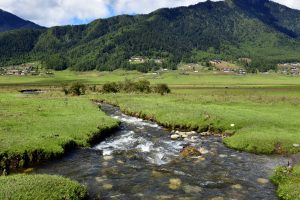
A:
x: 290, y: 3
x: 61, y: 12
x: 56, y: 12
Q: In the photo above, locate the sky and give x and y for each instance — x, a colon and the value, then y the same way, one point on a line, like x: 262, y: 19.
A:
x: 61, y: 12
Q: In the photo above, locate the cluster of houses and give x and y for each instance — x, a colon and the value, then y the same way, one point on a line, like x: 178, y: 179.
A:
x: 140, y: 60
x: 225, y: 67
x: 20, y: 70
x: 292, y: 69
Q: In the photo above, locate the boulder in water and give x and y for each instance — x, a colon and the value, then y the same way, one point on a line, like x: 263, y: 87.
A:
x: 237, y: 187
x: 217, y: 198
x: 203, y: 150
x: 262, y: 181
x: 189, y: 151
x: 192, y: 189
x: 175, y: 136
x: 175, y: 183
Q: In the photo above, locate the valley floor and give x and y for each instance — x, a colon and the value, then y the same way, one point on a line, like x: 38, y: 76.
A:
x: 261, y: 113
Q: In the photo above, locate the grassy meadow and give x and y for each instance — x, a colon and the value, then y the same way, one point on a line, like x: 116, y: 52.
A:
x: 265, y: 120
x: 40, y: 187
x: 37, y: 127
x: 260, y: 112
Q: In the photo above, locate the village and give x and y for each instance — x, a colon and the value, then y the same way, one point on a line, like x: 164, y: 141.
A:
x: 28, y: 69
x: 292, y: 69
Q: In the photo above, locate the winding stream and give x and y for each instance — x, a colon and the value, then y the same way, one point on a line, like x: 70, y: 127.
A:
x: 140, y: 161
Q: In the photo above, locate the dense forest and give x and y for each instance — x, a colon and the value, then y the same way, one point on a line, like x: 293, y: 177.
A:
x: 262, y: 30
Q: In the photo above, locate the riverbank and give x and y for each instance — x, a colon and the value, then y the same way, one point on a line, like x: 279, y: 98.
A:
x: 151, y: 108
x: 259, y: 121
x: 42, y: 127
x: 288, y: 182
x: 140, y: 161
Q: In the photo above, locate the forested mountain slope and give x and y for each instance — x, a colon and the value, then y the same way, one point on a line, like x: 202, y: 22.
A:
x: 230, y: 29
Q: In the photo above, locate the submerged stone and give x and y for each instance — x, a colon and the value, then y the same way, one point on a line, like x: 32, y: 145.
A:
x: 262, y: 181
x: 120, y: 162
x: 217, y: 198
x: 156, y: 174
x: 237, y: 187
x: 175, y: 136
x: 28, y: 170
x: 192, y: 189
x: 101, y: 179
x: 190, y: 152
x: 163, y: 197
x: 107, y: 186
x: 108, y: 157
x: 203, y: 150
x: 174, y: 183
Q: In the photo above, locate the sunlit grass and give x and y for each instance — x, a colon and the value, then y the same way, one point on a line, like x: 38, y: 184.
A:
x: 27, y: 187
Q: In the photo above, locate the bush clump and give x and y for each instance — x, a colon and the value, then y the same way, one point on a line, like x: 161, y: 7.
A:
x: 162, y: 89
x: 110, y: 88
x: 140, y: 86
x: 76, y: 89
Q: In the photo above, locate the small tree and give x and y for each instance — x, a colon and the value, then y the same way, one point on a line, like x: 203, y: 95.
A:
x: 77, y: 89
x: 162, y: 89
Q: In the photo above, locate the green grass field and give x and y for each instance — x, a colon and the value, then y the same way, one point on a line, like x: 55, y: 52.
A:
x: 264, y: 109
x: 264, y: 118
x: 27, y: 187
x: 35, y: 127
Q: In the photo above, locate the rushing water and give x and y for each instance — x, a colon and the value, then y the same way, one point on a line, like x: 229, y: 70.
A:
x: 140, y: 161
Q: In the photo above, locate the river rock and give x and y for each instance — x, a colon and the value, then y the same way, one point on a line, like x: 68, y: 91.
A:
x: 237, y: 187
x: 184, y: 135
x: 164, y: 197
x: 223, y: 156
x: 217, y: 198
x: 107, y: 186
x: 262, y: 181
x: 175, y: 136
x: 205, y: 134
x: 120, y: 162
x: 190, y: 151
x: 192, y: 189
x: 175, y: 183
x: 108, y: 157
x: 202, y: 150
x: 156, y: 174
x: 101, y: 179
x: 28, y: 170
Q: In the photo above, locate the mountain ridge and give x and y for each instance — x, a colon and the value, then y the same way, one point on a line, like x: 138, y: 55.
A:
x: 9, y: 21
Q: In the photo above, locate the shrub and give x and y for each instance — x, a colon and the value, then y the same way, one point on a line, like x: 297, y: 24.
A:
x: 162, y: 89
x: 77, y: 89
x: 93, y: 88
x: 129, y: 86
x: 143, y: 86
x: 110, y: 88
